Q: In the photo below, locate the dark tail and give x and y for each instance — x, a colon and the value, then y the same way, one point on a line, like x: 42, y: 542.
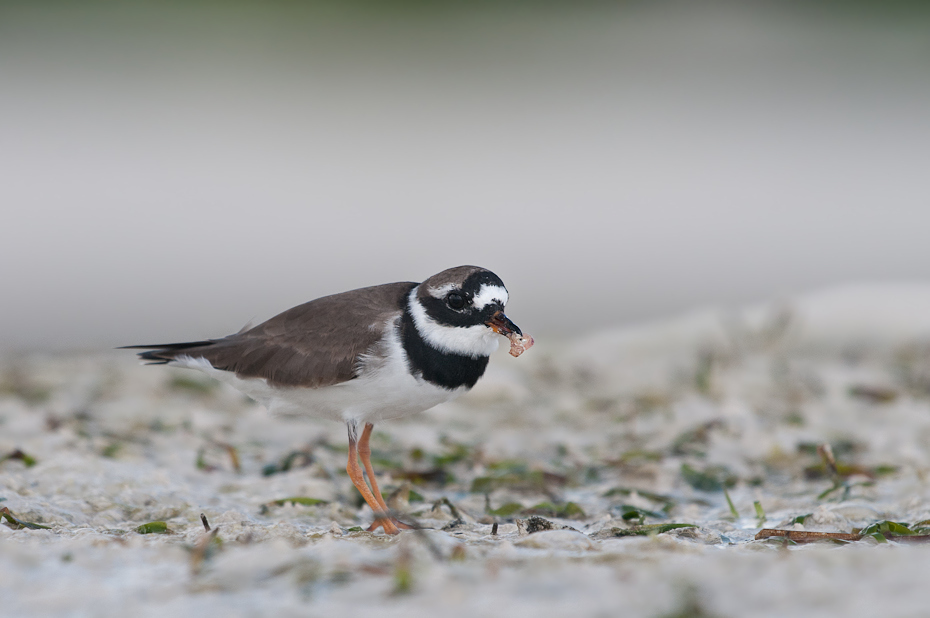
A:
x: 163, y: 353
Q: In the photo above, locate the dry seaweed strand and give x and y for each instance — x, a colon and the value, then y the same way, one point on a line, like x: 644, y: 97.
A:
x: 806, y: 536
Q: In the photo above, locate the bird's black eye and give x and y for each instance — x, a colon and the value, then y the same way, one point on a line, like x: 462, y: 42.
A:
x: 456, y: 301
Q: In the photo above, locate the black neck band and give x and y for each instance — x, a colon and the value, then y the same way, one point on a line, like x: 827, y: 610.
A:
x: 443, y: 369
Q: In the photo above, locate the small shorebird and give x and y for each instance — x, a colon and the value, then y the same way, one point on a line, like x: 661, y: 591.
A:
x: 363, y: 356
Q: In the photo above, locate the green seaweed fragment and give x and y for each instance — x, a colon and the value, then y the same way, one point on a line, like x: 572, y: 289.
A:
x: 301, y: 500
x: 28, y: 460
x: 667, y: 502
x: 714, y: 478
x: 18, y: 524
x: 760, y: 513
x: 291, y: 460
x: 649, y: 530
x: 110, y: 451
x: 153, y: 527
x: 888, y: 528
x: 506, y: 510
x: 457, y: 452
x: 630, y: 512
x: 733, y: 510
x: 569, y: 510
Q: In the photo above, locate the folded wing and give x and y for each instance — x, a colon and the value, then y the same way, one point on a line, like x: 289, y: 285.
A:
x: 312, y: 345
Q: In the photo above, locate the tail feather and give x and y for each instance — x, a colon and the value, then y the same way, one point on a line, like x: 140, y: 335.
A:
x: 164, y: 353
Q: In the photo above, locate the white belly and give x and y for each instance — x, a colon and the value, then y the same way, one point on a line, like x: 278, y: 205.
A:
x: 387, y: 390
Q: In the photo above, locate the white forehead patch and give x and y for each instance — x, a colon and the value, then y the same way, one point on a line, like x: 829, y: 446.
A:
x: 473, y: 341
x: 488, y: 294
x: 441, y: 291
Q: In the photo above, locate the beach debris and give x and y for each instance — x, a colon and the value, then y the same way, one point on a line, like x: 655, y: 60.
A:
x: 231, y: 451
x: 712, y: 478
x: 840, y: 473
x: 538, y: 524
x: 733, y: 511
x: 760, y: 513
x: 18, y: 524
x: 569, y: 510
x: 873, y: 394
x: 666, y: 502
x: 516, y: 475
x: 111, y: 450
x: 153, y: 527
x: 898, y: 531
x: 648, y: 530
x: 826, y: 453
x: 506, y: 510
x: 455, y: 452
x: 881, y: 531
x: 294, y: 459
x: 629, y: 512
x: 294, y: 500
x: 806, y: 536
x: 695, y: 441
x: 19, y: 455
x: 435, y: 476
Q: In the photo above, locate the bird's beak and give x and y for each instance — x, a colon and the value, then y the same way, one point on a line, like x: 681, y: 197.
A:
x: 502, y: 325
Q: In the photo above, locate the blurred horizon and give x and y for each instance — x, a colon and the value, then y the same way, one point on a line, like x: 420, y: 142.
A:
x: 173, y: 170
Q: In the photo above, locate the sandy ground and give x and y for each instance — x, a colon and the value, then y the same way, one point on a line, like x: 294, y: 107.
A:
x: 595, y: 436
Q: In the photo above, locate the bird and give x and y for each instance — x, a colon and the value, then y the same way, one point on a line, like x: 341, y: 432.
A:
x: 363, y: 356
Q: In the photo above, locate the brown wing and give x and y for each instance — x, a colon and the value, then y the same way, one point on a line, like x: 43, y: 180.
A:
x: 311, y: 345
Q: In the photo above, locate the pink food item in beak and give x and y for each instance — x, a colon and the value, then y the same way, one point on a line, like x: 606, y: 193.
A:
x: 519, y: 344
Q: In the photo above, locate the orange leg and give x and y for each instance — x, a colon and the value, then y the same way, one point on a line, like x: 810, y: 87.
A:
x: 364, y: 452
x: 355, y: 473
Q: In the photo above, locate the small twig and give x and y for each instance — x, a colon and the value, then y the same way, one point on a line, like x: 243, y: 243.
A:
x: 206, y: 524
x: 233, y: 457
x: 826, y: 453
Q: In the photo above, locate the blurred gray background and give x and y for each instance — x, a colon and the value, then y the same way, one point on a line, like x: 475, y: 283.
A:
x: 171, y: 170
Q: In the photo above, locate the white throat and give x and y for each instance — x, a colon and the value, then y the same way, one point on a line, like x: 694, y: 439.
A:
x: 472, y: 341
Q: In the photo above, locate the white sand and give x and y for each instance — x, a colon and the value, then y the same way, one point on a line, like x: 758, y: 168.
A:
x: 116, y: 446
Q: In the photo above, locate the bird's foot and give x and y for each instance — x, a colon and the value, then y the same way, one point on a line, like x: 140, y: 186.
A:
x: 389, y: 524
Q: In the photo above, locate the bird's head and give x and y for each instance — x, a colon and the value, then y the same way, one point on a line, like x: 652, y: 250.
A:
x: 461, y: 310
